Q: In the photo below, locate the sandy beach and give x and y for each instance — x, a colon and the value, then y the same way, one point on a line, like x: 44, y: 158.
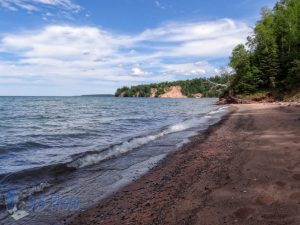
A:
x: 244, y: 170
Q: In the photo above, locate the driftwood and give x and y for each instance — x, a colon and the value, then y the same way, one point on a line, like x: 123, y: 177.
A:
x: 232, y: 100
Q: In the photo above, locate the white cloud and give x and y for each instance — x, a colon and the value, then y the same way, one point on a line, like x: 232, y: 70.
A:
x: 70, y: 52
x: 159, y: 5
x: 187, y: 69
x: 137, y: 71
x: 35, y: 5
x: 213, y: 38
x: 194, y: 31
x: 64, y: 42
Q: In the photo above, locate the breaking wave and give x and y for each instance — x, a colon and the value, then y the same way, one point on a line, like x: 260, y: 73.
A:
x: 91, y: 158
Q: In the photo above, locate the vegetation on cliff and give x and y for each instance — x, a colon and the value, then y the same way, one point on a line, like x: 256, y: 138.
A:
x: 270, y: 61
x: 211, y: 87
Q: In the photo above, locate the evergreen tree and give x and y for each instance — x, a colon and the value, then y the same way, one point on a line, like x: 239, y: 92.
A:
x: 272, y: 61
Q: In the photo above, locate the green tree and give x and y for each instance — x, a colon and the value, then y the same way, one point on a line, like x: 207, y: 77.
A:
x: 271, y: 62
x: 247, y: 77
x: 266, y: 52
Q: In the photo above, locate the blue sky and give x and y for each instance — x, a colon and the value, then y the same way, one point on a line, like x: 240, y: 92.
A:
x: 68, y: 47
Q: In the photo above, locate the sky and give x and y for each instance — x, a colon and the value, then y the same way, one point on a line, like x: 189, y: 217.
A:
x: 77, y: 47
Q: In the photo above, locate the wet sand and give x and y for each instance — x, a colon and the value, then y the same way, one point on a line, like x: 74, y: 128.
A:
x: 244, y: 170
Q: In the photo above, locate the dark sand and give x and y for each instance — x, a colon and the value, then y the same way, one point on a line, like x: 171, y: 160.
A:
x: 245, y: 170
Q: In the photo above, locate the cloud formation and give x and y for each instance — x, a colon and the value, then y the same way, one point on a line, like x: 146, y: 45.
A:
x: 35, y: 5
x: 70, y: 52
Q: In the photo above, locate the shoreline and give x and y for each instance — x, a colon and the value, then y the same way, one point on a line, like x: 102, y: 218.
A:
x: 223, y: 176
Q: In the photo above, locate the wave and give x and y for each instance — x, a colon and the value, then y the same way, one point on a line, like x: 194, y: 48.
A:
x: 221, y: 109
x: 38, y: 172
x: 36, y: 179
x: 91, y: 158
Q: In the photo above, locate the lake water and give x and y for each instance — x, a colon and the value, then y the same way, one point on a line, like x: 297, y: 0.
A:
x: 89, y: 147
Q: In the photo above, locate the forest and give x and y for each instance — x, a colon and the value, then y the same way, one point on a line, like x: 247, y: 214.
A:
x: 270, y: 60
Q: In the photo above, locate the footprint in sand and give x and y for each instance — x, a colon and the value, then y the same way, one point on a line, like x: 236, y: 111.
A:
x: 280, y: 184
x: 264, y: 199
x: 293, y: 167
x: 290, y: 167
x: 295, y: 196
x: 296, y: 176
x: 274, y: 216
x: 244, y: 213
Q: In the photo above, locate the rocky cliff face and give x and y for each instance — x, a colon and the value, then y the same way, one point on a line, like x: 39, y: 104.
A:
x: 173, y: 92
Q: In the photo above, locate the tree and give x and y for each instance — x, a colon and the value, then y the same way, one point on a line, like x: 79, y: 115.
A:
x: 266, y: 52
x: 247, y: 77
x: 271, y: 62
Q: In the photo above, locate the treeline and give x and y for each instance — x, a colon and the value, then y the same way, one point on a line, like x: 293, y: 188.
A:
x: 270, y: 61
x: 208, y: 87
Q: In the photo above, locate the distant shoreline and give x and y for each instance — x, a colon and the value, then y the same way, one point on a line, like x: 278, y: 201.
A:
x: 98, y: 95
